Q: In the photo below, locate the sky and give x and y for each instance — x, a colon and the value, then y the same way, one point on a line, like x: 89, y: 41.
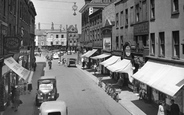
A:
x: 57, y: 11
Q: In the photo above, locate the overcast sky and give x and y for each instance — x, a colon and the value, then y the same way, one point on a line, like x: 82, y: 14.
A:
x: 58, y: 12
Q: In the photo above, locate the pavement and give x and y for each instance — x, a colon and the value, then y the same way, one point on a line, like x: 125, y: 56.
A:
x: 129, y: 100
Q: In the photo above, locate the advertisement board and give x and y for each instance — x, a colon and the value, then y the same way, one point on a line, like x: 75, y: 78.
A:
x: 107, y: 44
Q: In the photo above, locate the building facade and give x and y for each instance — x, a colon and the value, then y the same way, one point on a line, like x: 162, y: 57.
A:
x: 17, y: 18
x: 166, y: 44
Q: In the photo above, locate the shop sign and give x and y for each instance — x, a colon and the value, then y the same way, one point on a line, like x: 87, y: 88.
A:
x: 127, y: 50
x: 107, y: 44
x: 12, y: 44
x: 141, y: 29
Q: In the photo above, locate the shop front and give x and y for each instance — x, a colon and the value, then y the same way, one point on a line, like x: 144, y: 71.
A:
x: 162, y: 81
x: 122, y: 69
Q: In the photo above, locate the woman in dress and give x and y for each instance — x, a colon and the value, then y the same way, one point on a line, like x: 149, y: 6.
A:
x: 161, y: 108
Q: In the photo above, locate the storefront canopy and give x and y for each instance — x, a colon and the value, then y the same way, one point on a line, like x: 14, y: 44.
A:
x: 18, y: 69
x: 118, y: 66
x: 86, y: 53
x: 101, y: 56
x: 167, y: 78
x: 90, y: 53
x: 110, y: 61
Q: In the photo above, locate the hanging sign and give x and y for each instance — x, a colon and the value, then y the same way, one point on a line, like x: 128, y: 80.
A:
x: 12, y: 44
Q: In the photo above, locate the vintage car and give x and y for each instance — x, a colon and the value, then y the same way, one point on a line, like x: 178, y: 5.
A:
x: 71, y: 62
x: 46, y: 89
x: 53, y: 108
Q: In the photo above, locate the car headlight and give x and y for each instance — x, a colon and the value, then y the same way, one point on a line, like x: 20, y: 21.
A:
x: 52, y: 96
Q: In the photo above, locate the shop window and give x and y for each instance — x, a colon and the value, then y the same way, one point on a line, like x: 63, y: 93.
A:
x: 152, y: 9
x: 176, y: 50
x: 152, y: 44
x: 161, y: 44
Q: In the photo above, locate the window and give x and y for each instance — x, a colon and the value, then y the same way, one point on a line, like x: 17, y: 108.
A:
x: 126, y: 17
x: 121, y: 19
x: 4, y: 7
x: 117, y: 42
x: 175, y: 6
x: 70, y: 41
x: 62, y: 36
x: 11, y: 5
x: 131, y: 15
x: 176, y: 50
x: 144, y: 10
x: 161, y: 44
x: 57, y: 36
x: 152, y: 44
x: 121, y: 42
x: 152, y: 9
x: 137, y: 13
x: 57, y: 42
x: 117, y: 20
x: 42, y: 43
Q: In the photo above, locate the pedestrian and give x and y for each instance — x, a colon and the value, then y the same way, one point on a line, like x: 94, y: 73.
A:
x: 34, y: 66
x: 25, y: 84
x: 95, y: 68
x: 16, y: 98
x: 161, y: 108
x: 50, y: 63
x: 12, y: 95
x: 175, y: 110
x: 82, y: 60
x: 29, y: 87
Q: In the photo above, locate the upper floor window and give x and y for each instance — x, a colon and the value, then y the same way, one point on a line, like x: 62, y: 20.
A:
x: 121, y: 42
x: 117, y: 20
x: 117, y: 42
x: 152, y: 9
x: 176, y: 49
x: 62, y: 36
x: 137, y: 17
x: 152, y: 44
x: 126, y: 17
x: 121, y: 19
x: 161, y: 44
x: 175, y: 6
x: 4, y: 7
x: 57, y: 36
x: 131, y: 15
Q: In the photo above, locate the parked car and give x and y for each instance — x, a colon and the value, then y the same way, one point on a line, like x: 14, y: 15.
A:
x: 46, y: 90
x: 71, y: 62
x: 53, y: 108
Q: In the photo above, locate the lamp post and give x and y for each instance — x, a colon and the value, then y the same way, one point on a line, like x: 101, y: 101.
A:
x: 74, y: 7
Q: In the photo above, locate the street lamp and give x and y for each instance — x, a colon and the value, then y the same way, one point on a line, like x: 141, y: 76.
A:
x: 74, y: 7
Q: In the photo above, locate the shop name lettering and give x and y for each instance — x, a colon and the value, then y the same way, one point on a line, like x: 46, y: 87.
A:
x: 10, y: 61
x: 12, y: 43
x: 24, y: 72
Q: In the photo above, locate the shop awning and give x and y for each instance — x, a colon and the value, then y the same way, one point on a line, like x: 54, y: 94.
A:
x: 126, y: 67
x: 90, y: 53
x: 101, y: 56
x: 110, y: 61
x: 166, y: 78
x: 120, y: 65
x: 85, y: 53
x: 17, y: 68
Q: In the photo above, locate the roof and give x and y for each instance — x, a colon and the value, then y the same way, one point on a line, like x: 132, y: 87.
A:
x: 52, y: 106
x: 47, y: 77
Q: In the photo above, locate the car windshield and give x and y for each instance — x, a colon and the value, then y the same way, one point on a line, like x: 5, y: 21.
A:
x: 46, y: 85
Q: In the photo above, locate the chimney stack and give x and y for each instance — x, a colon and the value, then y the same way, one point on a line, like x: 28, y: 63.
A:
x: 39, y: 26
x: 52, y: 26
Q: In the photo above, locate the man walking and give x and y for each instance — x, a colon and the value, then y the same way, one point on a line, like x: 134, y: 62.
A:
x: 175, y: 110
